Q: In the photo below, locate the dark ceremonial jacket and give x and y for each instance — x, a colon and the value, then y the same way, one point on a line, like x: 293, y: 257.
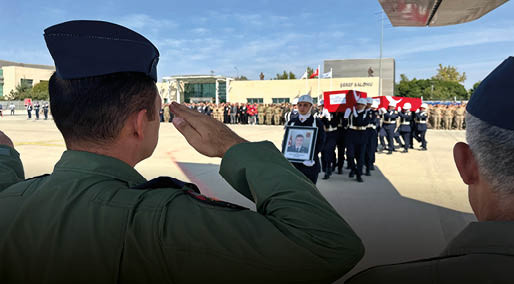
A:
x: 421, y: 121
x: 95, y: 219
x: 405, y: 121
x: 482, y: 253
x: 357, y: 126
x: 389, y: 119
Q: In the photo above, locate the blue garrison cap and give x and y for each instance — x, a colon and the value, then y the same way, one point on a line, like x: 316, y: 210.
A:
x: 93, y: 48
x: 498, y: 86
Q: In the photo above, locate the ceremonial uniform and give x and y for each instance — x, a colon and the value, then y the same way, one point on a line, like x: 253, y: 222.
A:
x: 356, y: 141
x: 45, y: 110
x: 29, y: 111
x: 95, y: 219
x: 328, y: 155
x: 312, y: 171
x: 389, y: 126
x: 405, y: 127
x: 372, y: 140
x: 37, y: 108
x: 342, y: 129
x: 421, y: 118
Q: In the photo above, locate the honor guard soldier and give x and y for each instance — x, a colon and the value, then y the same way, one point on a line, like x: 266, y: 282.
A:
x: 37, y: 108
x: 342, y: 129
x: 405, y: 126
x: 95, y: 219
x: 328, y: 156
x: 372, y: 135
x: 29, y: 110
x: 389, y: 125
x: 358, y: 121
x: 421, y: 118
x: 312, y: 168
x: 45, y: 110
x: 483, y: 252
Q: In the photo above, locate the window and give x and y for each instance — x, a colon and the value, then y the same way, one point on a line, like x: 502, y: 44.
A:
x: 255, y: 100
x: 26, y: 83
x: 280, y: 100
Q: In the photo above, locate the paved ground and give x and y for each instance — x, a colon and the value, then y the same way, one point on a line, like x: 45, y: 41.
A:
x: 410, y: 208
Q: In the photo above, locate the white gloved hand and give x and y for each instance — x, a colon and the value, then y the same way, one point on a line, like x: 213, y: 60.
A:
x: 308, y: 163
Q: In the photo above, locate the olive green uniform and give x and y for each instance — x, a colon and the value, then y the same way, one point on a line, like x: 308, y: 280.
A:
x: 260, y: 113
x: 269, y: 114
x: 87, y: 223
x: 277, y: 115
x: 459, y: 114
x: 482, y: 253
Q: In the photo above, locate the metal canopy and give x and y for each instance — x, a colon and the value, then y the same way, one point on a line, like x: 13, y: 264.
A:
x: 419, y: 13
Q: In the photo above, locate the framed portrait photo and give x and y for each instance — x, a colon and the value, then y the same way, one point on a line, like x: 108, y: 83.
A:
x: 299, y: 144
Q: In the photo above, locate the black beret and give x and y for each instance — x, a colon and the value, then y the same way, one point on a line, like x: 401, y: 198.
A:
x: 493, y: 100
x: 93, y: 48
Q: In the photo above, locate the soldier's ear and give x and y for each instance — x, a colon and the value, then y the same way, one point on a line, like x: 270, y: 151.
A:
x: 466, y: 163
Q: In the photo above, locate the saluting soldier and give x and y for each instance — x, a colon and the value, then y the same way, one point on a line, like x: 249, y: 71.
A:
x: 96, y: 219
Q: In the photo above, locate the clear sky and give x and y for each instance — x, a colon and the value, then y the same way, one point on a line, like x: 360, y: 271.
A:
x: 248, y: 37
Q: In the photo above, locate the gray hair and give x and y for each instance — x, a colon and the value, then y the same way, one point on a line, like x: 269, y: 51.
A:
x: 493, y: 148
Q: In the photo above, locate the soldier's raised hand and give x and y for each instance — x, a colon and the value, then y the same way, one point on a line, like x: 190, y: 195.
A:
x: 207, y: 135
x: 5, y: 140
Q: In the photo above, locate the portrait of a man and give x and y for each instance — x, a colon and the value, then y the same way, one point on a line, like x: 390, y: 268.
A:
x: 298, y: 145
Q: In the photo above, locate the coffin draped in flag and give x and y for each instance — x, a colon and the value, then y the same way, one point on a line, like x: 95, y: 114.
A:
x: 400, y: 101
x: 339, y: 101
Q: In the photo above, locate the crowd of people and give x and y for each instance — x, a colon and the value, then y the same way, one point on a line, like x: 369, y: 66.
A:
x: 380, y: 130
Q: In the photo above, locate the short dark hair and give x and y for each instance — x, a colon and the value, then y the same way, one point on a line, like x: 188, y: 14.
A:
x: 94, y: 109
x: 299, y: 135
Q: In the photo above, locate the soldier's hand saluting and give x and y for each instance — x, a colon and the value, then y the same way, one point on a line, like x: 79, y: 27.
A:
x: 207, y: 135
x: 5, y: 140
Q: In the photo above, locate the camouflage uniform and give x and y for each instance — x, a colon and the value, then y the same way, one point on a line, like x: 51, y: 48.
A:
x: 459, y: 114
x: 277, y: 115
x: 437, y: 117
x: 261, y: 110
x: 269, y: 114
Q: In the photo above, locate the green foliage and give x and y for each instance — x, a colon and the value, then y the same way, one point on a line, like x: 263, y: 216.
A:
x: 431, y: 89
x: 309, y: 72
x: 285, y: 76
x: 449, y: 73
x: 38, y: 92
x: 241, y: 78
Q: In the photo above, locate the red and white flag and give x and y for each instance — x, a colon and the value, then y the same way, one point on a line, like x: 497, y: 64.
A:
x: 315, y: 74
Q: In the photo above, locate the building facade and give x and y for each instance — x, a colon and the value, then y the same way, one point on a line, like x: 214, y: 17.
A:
x: 13, y: 74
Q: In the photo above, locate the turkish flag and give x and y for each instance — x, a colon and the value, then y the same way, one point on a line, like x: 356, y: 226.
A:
x: 315, y: 74
x: 400, y: 101
x: 339, y: 101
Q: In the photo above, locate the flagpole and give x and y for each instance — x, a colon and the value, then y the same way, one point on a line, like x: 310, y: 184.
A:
x: 319, y: 80
x: 306, y: 78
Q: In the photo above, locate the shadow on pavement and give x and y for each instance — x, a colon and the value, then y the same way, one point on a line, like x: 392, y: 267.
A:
x: 393, y: 228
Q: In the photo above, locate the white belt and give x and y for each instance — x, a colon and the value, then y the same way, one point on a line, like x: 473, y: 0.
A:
x: 405, y: 123
x: 372, y: 126
x: 358, y: 127
x: 390, y: 122
x: 421, y: 122
x: 330, y: 129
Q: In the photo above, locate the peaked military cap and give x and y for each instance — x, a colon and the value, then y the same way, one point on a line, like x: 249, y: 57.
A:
x: 93, y: 48
x: 498, y: 86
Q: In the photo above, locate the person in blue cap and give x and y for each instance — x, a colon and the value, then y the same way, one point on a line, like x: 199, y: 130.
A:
x: 95, y: 219
x: 484, y: 251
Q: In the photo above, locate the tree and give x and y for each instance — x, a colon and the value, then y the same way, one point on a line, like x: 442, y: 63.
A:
x: 241, y: 78
x: 449, y: 73
x: 40, y: 91
x: 430, y: 89
x: 292, y: 75
x: 310, y: 71
x: 285, y: 76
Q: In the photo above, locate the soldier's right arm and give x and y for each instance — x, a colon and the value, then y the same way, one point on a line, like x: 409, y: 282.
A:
x: 11, y: 167
x: 295, y: 235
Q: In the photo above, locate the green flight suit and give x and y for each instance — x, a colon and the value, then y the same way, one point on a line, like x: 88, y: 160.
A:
x: 482, y: 253
x: 85, y: 223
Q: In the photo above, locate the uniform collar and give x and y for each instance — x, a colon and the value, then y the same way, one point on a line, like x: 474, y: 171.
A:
x: 493, y: 237
x: 95, y: 164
